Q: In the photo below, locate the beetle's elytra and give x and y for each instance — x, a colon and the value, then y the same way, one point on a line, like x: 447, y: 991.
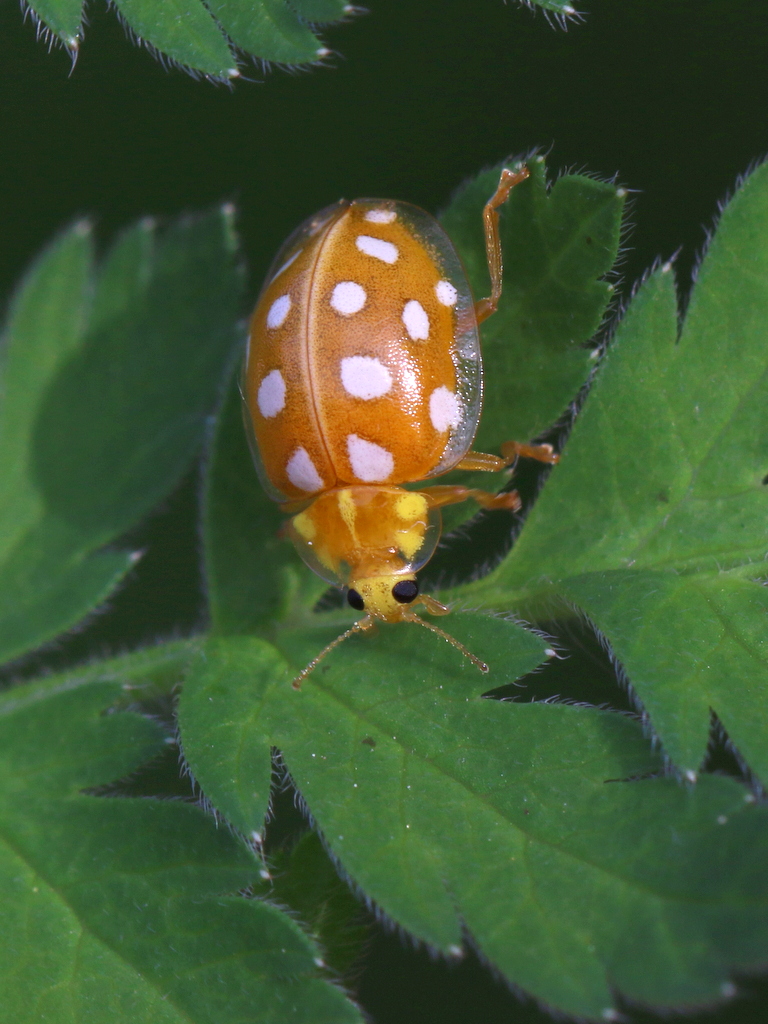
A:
x: 364, y: 372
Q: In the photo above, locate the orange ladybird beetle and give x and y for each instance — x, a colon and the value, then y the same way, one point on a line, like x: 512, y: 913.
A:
x: 362, y: 373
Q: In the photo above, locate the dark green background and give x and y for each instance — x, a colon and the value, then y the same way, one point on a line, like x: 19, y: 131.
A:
x: 669, y: 95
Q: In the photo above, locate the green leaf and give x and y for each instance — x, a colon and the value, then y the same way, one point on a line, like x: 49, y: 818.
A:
x: 456, y: 813
x: 201, y: 36
x: 321, y: 12
x: 182, y: 30
x: 49, y: 581
x: 50, y: 575
x: 305, y: 881
x: 45, y: 325
x: 108, y: 380
x: 269, y: 29
x: 558, y: 244
x: 563, y: 10
x: 126, y: 909
x: 663, y: 476
x: 235, y: 772
x: 63, y: 17
x: 692, y: 643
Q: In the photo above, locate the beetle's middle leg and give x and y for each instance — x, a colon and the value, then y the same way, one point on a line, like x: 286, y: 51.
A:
x: 511, y: 451
x: 448, y: 494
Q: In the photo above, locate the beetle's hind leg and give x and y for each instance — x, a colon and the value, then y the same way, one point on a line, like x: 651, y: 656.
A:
x: 485, y: 307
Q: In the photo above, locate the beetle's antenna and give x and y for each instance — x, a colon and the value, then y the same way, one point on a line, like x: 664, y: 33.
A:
x: 446, y: 636
x: 365, y: 624
x: 358, y: 627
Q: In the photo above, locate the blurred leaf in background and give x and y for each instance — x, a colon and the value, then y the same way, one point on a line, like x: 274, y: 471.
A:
x: 109, y: 375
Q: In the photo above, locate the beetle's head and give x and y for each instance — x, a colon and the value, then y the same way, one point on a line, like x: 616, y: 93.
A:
x: 386, y: 597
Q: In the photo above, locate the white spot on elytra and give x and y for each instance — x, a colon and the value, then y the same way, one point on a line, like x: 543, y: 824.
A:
x: 444, y: 410
x: 302, y: 473
x: 365, y: 377
x: 446, y: 293
x: 370, y: 462
x: 416, y: 320
x: 348, y: 297
x: 271, y: 396
x: 287, y: 264
x: 380, y: 216
x: 278, y: 311
x: 377, y: 247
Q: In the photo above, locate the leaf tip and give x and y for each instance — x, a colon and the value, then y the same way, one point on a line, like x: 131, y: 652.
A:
x: 621, y: 193
x: 456, y: 952
x: 691, y: 776
x: 231, y: 73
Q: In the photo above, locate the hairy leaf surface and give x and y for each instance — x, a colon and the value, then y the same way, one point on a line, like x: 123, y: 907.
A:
x: 127, y: 909
x: 515, y: 823
x: 205, y: 38
x: 655, y: 521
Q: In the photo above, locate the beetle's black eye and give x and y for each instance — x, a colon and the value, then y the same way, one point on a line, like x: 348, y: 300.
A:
x: 355, y: 600
x: 405, y: 591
